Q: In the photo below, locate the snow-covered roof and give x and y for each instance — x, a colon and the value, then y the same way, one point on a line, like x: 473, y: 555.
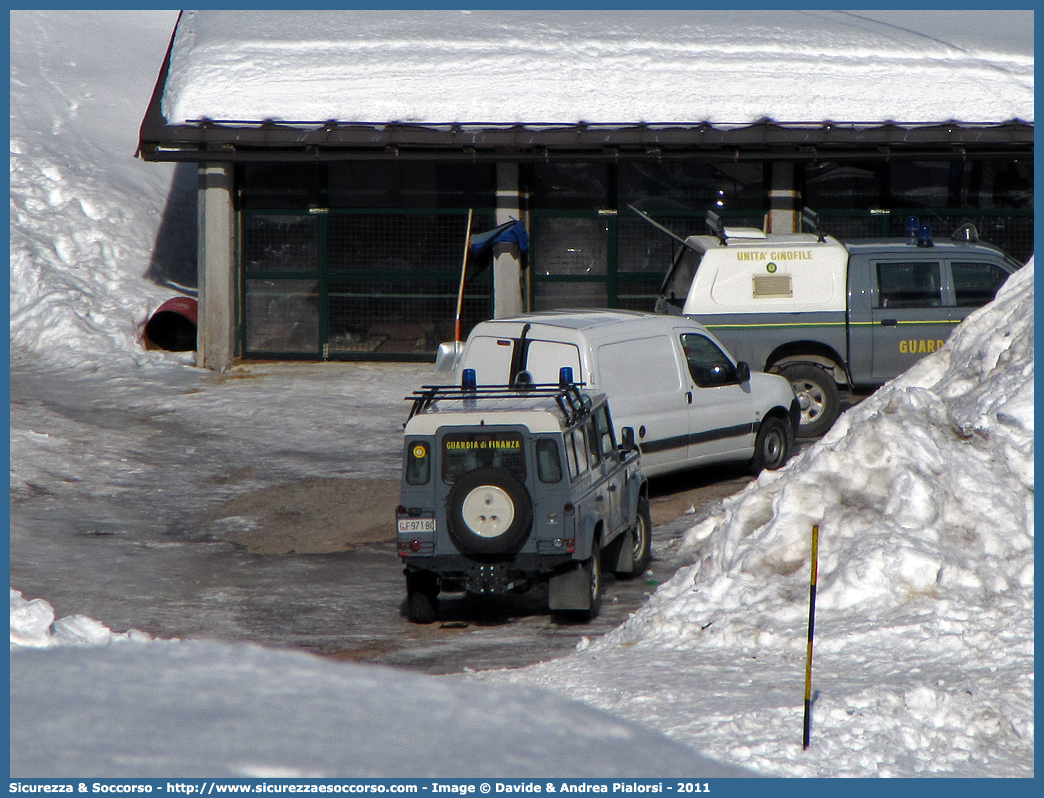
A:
x: 601, y: 67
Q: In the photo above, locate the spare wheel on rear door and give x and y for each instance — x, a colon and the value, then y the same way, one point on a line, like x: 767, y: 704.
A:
x: 489, y: 511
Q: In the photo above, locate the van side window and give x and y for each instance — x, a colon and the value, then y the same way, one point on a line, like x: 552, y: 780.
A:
x: 418, y: 463
x: 570, y: 456
x: 708, y: 365
x: 578, y: 455
x: 604, y: 432
x: 913, y: 284
x: 549, y: 466
x: 594, y: 456
x: 975, y: 284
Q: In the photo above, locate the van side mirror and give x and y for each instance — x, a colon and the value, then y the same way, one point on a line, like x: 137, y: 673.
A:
x: 627, y: 443
x: 742, y: 372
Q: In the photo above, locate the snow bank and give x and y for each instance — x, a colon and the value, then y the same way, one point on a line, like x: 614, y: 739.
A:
x: 84, y: 212
x: 923, y: 495
x: 33, y: 626
x: 616, y: 67
x: 207, y: 709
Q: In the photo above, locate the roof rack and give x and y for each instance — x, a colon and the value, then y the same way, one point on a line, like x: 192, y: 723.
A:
x: 568, y: 398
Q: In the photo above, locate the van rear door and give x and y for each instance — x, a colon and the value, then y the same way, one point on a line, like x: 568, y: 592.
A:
x: 546, y: 358
x: 491, y: 357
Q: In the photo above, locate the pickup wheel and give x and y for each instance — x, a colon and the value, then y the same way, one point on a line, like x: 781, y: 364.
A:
x: 817, y: 395
x: 488, y: 511
x: 641, y: 539
x: 770, y: 447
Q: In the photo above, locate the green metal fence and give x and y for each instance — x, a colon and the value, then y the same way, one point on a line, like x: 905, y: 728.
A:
x: 357, y: 284
x: 374, y: 284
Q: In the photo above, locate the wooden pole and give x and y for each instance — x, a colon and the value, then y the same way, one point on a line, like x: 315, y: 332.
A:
x: 463, y: 270
x: 811, y: 626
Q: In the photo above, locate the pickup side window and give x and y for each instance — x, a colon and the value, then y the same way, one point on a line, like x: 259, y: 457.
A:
x: 911, y: 284
x: 975, y: 284
x: 708, y: 365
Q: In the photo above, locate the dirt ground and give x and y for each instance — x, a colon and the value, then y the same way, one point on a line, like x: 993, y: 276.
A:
x: 323, y: 515
x: 309, y: 516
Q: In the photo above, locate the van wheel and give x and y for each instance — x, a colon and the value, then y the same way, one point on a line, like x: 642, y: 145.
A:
x: 422, y: 603
x: 817, y: 396
x: 641, y: 539
x: 421, y: 608
x: 593, y: 569
x: 488, y: 511
x: 770, y: 447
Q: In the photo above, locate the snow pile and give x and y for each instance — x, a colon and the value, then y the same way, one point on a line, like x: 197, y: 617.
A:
x: 206, y: 709
x: 33, y: 626
x: 614, y: 67
x: 923, y: 495
x: 84, y: 211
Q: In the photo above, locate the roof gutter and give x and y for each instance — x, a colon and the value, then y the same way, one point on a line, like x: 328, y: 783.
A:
x: 766, y: 140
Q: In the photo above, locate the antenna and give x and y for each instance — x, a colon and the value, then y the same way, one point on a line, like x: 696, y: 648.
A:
x: 663, y: 229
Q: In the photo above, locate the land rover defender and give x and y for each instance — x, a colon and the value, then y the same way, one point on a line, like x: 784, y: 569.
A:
x: 506, y: 487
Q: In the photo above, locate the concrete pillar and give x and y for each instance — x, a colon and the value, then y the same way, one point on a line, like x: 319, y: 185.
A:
x: 507, y: 272
x: 784, y: 214
x: 215, y: 324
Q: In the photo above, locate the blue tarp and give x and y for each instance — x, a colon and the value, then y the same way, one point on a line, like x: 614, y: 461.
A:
x: 513, y: 232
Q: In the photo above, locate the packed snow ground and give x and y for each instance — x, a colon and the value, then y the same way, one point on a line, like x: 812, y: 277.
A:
x: 923, y: 494
x: 209, y: 709
x: 597, y: 66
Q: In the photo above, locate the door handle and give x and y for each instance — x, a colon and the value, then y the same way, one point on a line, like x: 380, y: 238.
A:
x: 612, y: 488
x: 599, y: 498
x: 889, y: 323
x: 688, y: 397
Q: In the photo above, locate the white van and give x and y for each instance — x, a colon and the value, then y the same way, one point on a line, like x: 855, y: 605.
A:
x: 689, y: 402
